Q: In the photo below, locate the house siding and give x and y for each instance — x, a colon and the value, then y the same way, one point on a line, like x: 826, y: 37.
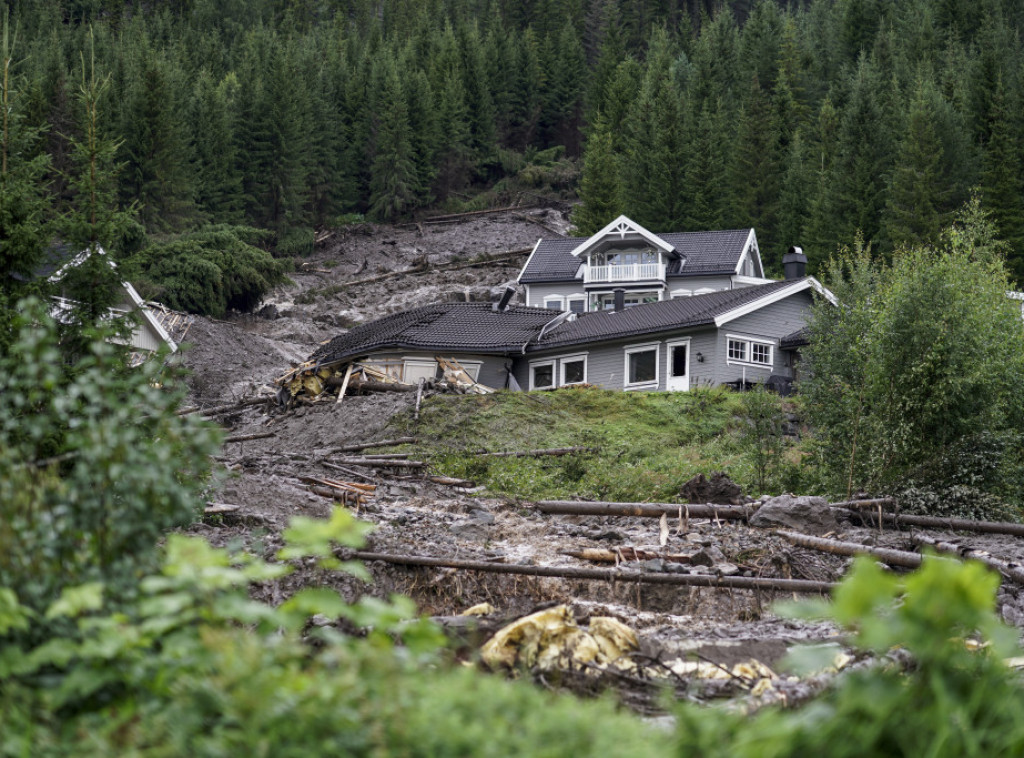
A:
x: 537, y: 293
x: 773, y: 322
x: 694, y: 283
x: 492, y: 367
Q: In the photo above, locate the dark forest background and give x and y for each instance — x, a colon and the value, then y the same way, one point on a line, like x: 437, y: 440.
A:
x: 812, y: 122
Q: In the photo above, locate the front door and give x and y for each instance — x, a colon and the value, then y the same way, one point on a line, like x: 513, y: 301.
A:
x: 678, y: 366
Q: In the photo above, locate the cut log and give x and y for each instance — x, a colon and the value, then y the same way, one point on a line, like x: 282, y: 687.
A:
x: 450, y: 217
x: 607, y: 575
x: 645, y: 510
x: 344, y: 384
x: 359, y: 446
x: 451, y: 482
x: 951, y: 524
x: 347, y: 471
x: 965, y: 551
x: 536, y: 453
x: 215, y: 509
x: 856, y: 504
x: 619, y: 554
x: 900, y: 558
x: 247, y: 437
x: 386, y: 463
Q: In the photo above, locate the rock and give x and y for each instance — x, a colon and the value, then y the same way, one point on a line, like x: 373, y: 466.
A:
x: 476, y: 527
x: 654, y: 564
x: 481, y: 516
x: 726, y: 569
x: 720, y: 489
x: 709, y: 556
x: 807, y: 514
x: 268, y: 312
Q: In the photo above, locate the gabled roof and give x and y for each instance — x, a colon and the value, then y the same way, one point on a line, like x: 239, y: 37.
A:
x: 457, y: 327
x: 621, y: 227
x: 699, y: 254
x: 668, y: 315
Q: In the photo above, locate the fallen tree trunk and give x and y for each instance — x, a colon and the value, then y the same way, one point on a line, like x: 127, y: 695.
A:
x: 348, y: 471
x: 536, y: 453
x: 856, y: 504
x: 607, y: 575
x: 450, y: 217
x: 900, y: 558
x: 359, y: 446
x: 952, y: 524
x: 382, y: 463
x: 218, y: 409
x: 964, y: 551
x: 369, y: 385
x: 451, y: 481
x: 646, y: 510
x: 247, y: 437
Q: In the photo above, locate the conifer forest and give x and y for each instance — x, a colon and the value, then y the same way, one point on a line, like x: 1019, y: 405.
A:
x: 814, y: 122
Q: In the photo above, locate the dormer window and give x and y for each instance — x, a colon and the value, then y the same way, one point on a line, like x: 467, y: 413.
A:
x: 624, y: 257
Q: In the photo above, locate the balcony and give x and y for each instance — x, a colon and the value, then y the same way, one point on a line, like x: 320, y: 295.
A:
x: 630, y: 272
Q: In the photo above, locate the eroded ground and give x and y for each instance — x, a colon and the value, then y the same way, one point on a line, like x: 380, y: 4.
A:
x: 238, y: 359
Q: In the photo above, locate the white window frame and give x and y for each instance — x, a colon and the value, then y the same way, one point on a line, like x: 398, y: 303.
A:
x: 554, y: 375
x: 553, y: 299
x: 571, y: 359
x: 576, y: 299
x: 749, y: 351
x: 412, y: 361
x: 676, y: 294
x: 646, y: 347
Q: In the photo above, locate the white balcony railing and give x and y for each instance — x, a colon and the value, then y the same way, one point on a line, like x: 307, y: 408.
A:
x: 632, y: 272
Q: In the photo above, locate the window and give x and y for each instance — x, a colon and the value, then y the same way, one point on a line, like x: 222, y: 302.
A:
x: 606, y: 300
x: 542, y: 375
x: 554, y: 303
x: 748, y: 350
x: 642, y: 367
x: 574, y: 369
x: 578, y: 305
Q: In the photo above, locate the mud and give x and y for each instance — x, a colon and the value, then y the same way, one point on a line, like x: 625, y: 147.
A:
x: 229, y: 360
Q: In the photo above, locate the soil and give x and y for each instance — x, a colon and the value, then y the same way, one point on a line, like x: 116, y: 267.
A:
x: 239, y: 358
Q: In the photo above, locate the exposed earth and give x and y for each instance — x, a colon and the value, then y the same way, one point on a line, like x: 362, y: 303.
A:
x: 719, y: 628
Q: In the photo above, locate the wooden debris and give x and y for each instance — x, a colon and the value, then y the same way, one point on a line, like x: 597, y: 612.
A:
x: 219, y: 409
x: 347, y: 471
x: 900, y: 558
x: 964, y: 551
x: 645, y: 510
x: 452, y: 217
x: 536, y: 453
x: 344, y: 383
x: 419, y: 399
x: 368, y: 385
x: 856, y: 504
x: 359, y: 446
x: 621, y: 554
x: 460, y: 379
x: 451, y: 481
x: 951, y: 524
x: 382, y: 462
x: 611, y: 575
x: 216, y: 509
x: 247, y: 437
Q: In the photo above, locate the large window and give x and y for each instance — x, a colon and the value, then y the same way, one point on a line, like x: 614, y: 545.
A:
x: 574, y: 369
x: 542, y: 375
x: 642, y: 367
x: 606, y: 300
x: 748, y: 350
x: 558, y: 372
x: 624, y: 257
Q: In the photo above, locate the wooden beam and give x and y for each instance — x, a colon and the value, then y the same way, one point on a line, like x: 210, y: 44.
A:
x: 644, y: 510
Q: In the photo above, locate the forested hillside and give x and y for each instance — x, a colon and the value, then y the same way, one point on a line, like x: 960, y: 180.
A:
x: 809, y: 121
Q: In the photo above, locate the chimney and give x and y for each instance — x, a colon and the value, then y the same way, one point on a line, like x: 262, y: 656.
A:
x: 794, y: 263
x: 506, y: 298
x: 620, y: 299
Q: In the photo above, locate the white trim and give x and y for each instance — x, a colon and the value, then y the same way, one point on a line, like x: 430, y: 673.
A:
x: 675, y: 294
x: 751, y: 341
x: 541, y: 364
x: 796, y: 287
x: 571, y: 359
x: 527, y: 264
x: 622, y: 225
x: 750, y: 280
x: 750, y: 243
x: 668, y: 362
x: 646, y: 347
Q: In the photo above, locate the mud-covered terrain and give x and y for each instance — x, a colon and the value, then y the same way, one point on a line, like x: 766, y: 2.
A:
x: 268, y: 479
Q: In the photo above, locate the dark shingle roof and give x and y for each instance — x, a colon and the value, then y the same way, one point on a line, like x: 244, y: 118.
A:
x: 799, y: 338
x: 458, y: 327
x: 654, y: 317
x: 705, y: 253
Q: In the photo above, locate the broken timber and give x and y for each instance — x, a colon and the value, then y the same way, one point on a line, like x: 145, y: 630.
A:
x: 608, y: 575
x: 536, y: 453
x: 382, y: 462
x: 951, y: 524
x: 645, y: 510
x: 901, y: 558
x: 1007, y: 570
x: 360, y: 446
x: 247, y: 437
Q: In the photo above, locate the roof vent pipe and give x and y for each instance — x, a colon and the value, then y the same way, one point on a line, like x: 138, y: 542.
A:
x: 794, y: 264
x: 506, y: 298
x: 620, y: 299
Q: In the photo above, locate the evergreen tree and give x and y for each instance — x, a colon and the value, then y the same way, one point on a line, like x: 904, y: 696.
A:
x: 218, y: 183
x: 393, y: 180
x: 1002, y: 178
x: 918, y: 194
x: 600, y: 188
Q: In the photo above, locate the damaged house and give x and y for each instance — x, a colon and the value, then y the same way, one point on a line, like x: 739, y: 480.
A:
x: 626, y: 317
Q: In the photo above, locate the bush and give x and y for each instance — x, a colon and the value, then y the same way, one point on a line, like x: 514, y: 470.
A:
x: 210, y: 271
x: 762, y: 436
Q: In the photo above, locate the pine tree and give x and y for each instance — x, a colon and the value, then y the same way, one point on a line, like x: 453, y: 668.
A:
x: 918, y: 193
x: 218, y: 183
x: 1002, y: 178
x: 600, y: 188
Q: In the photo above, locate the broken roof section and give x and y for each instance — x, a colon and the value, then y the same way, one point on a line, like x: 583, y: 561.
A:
x: 460, y: 327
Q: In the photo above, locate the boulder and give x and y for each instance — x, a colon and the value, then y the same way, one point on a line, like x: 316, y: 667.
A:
x: 807, y: 514
x: 720, y: 489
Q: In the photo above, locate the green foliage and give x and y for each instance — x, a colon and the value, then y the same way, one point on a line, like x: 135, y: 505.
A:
x: 953, y: 699
x: 644, y: 445
x: 209, y: 271
x: 918, y: 358
x: 761, y: 436
x: 97, y: 466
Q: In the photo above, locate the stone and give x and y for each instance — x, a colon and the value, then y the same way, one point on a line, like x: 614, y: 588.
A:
x: 719, y: 489
x: 726, y: 569
x: 805, y: 513
x: 709, y: 556
x: 654, y: 564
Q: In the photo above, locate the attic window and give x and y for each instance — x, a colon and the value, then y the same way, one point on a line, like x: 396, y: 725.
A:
x: 749, y: 351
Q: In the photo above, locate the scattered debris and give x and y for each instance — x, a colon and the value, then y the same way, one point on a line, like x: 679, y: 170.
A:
x: 649, y: 510
x: 719, y: 489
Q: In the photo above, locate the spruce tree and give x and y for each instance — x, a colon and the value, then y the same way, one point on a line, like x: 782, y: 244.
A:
x: 393, y: 180
x: 213, y: 119
x: 600, y: 188
x: 1002, y: 182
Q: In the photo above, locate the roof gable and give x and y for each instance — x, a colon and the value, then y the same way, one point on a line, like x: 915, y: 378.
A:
x: 622, y: 227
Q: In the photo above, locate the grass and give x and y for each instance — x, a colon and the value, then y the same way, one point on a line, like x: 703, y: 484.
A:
x: 646, y: 445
